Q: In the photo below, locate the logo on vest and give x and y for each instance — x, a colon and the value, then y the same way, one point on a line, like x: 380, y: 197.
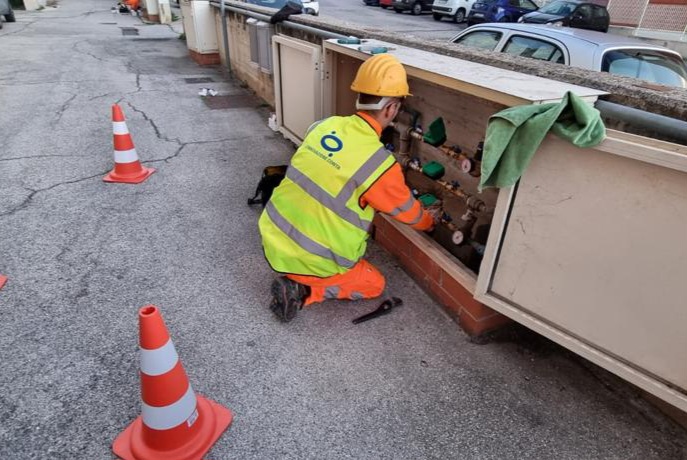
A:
x: 331, y: 143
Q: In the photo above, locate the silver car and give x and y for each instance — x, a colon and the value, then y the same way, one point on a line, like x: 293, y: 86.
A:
x: 580, y: 48
x: 6, y: 10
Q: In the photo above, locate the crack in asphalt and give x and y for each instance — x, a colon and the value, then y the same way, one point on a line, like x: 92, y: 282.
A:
x: 38, y: 156
x: 24, y: 204
x: 75, y: 48
x: 20, y: 30
x: 172, y: 29
x: 152, y: 123
x: 43, y: 82
x: 130, y: 67
x: 63, y: 108
x: 98, y: 97
x: 182, y: 146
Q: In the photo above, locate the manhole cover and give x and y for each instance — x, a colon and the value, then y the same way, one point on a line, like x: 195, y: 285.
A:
x: 129, y: 31
x: 199, y: 80
x: 240, y: 101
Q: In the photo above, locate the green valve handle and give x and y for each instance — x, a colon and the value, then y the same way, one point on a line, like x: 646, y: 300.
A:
x: 373, y: 49
x: 349, y: 41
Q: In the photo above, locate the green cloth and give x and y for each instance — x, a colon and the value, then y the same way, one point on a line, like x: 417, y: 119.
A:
x: 514, y: 134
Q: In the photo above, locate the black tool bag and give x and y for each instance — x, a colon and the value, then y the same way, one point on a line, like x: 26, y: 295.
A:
x: 271, y: 178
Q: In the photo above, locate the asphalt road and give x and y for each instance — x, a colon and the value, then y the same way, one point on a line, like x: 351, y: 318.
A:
x: 83, y: 256
x: 374, y: 17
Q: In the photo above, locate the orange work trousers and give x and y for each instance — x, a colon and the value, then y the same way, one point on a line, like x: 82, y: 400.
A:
x: 363, y: 281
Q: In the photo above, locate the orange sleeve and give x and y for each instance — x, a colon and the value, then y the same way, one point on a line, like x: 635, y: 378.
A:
x: 390, y: 195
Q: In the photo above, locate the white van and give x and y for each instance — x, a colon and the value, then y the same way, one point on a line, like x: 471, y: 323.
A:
x: 456, y: 10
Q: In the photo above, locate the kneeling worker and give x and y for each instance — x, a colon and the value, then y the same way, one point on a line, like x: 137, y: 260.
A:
x: 315, y: 227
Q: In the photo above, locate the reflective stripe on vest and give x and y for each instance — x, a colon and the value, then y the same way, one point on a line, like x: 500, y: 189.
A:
x: 364, y: 173
x: 159, y: 361
x: 331, y: 292
x: 313, y: 126
x: 418, y: 218
x: 336, y: 205
x: 407, y: 206
x: 164, y: 418
x: 302, y: 240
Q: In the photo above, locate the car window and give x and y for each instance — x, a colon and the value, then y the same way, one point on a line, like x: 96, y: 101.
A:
x: 482, y: 39
x: 558, y: 8
x: 653, y: 66
x: 599, y: 12
x: 534, y: 48
x: 584, y: 12
x: 528, y: 5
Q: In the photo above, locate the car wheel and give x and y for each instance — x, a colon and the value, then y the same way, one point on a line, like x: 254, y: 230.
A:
x: 10, y: 17
x: 437, y: 16
x: 459, y: 16
x: 397, y: 10
x: 417, y: 9
x: 383, y: 7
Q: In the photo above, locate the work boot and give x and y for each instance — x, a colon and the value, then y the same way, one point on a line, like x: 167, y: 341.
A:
x: 287, y: 298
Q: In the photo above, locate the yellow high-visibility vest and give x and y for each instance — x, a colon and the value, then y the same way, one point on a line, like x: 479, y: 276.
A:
x: 313, y: 224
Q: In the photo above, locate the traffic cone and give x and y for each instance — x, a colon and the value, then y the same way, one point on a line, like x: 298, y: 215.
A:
x: 175, y: 423
x: 3, y: 280
x: 127, y: 168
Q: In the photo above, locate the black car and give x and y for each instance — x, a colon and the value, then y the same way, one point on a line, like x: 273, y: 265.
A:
x: 571, y: 13
x: 414, y: 6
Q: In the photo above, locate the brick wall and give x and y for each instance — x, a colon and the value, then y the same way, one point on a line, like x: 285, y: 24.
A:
x: 205, y: 59
x: 665, y: 15
x: 432, y: 269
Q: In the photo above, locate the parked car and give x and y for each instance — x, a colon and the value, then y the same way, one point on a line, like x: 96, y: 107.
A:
x: 383, y: 3
x: 414, y: 6
x: 6, y: 10
x: 499, y: 10
x: 309, y: 6
x: 456, y: 10
x: 580, y: 48
x: 571, y: 13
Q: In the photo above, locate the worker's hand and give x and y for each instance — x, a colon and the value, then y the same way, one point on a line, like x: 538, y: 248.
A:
x: 435, y: 211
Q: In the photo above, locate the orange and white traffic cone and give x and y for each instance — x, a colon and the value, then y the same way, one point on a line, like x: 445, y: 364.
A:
x: 175, y: 424
x: 3, y: 280
x: 127, y: 168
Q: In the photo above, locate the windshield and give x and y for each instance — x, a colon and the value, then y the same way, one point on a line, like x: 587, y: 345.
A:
x: 558, y: 8
x: 651, y: 65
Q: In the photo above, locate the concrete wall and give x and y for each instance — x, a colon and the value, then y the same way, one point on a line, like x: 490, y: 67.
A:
x: 239, y: 54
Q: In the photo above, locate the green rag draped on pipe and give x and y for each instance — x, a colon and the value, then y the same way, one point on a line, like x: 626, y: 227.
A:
x: 514, y: 134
